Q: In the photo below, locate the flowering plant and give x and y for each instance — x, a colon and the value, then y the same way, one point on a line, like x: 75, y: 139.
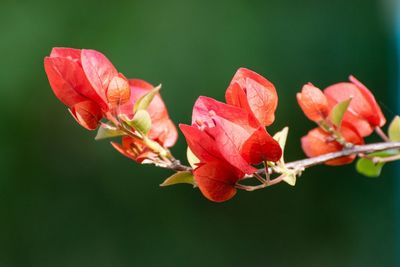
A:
x: 226, y: 141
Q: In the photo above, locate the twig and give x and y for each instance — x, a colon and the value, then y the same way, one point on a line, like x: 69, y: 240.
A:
x: 382, y: 134
x: 377, y: 160
x: 309, y: 162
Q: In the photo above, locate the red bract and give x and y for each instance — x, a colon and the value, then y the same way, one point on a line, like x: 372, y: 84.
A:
x: 252, y: 92
x: 214, y: 175
x: 230, y: 137
x: 318, y: 142
x: 363, y: 113
x: 162, y: 129
x: 238, y: 135
x: 87, y: 82
x: 313, y: 103
x: 134, y: 149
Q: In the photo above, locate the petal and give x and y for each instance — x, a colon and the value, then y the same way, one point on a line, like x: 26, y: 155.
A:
x: 164, y: 132
x: 68, y: 53
x: 313, y: 103
x: 118, y: 91
x: 69, y: 82
x: 156, y: 109
x: 200, y: 143
x: 87, y: 113
x: 205, y: 108
x: 99, y: 71
x: 134, y: 149
x: 64, y: 76
x: 260, y: 146
x: 229, y: 138
x: 363, y: 111
x: 216, y: 181
x: 235, y: 96
x: 357, y: 120
x: 377, y: 118
x: 261, y: 95
x: 317, y: 142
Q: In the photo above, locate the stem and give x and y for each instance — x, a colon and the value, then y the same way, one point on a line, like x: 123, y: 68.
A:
x: 163, y: 153
x: 263, y: 185
x: 379, y: 132
x: 375, y: 147
x: 386, y: 159
x: 260, y: 178
x: 335, y: 134
x: 309, y: 162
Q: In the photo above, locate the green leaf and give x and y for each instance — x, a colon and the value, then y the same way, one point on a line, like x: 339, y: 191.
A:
x: 368, y: 168
x: 141, y: 121
x: 290, y: 178
x: 184, y: 177
x: 192, y: 159
x: 394, y: 130
x: 144, y: 101
x: 338, y: 112
x: 281, y: 138
x: 107, y: 131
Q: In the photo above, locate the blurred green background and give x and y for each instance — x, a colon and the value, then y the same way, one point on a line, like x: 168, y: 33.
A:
x: 66, y: 200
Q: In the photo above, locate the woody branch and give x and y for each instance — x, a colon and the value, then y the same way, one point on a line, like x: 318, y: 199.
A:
x: 310, y: 162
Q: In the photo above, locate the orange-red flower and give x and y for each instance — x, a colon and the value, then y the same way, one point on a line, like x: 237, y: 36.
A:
x: 364, y: 112
x: 313, y: 103
x: 318, y: 142
x: 134, y: 149
x: 86, y: 82
x: 253, y: 93
x: 163, y: 130
x: 214, y: 175
x: 359, y: 120
x: 228, y: 140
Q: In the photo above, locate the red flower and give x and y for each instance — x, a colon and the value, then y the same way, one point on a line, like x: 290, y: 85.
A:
x: 227, y: 140
x: 87, y: 82
x: 313, y: 103
x: 215, y: 176
x: 363, y: 113
x: 252, y: 92
x: 162, y: 129
x: 318, y: 142
x: 134, y: 149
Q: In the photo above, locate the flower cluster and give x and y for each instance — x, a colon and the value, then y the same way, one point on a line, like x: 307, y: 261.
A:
x: 345, y: 112
x: 98, y: 95
x: 228, y: 139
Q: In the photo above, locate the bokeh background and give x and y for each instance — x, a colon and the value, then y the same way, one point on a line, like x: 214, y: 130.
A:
x: 66, y: 200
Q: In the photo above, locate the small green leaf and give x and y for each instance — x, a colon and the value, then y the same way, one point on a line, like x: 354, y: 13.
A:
x: 394, y: 130
x: 192, y: 159
x: 281, y: 138
x: 290, y: 178
x: 141, y: 121
x: 107, y: 131
x: 144, y: 101
x: 367, y: 167
x: 184, y: 177
x: 338, y: 112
